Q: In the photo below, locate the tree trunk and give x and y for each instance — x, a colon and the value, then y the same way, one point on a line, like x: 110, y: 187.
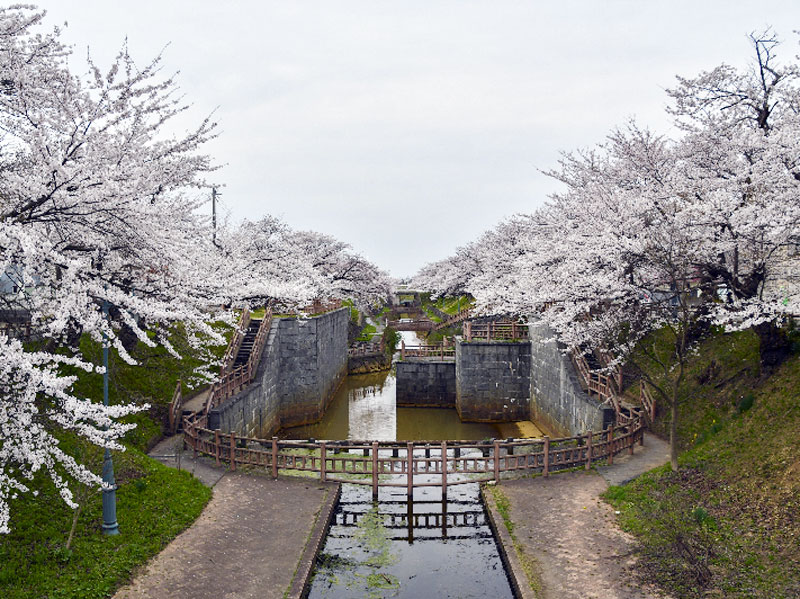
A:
x: 673, y: 435
x: 773, y: 345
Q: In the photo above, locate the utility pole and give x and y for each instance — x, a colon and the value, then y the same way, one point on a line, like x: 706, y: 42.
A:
x: 110, y: 526
x: 214, y: 214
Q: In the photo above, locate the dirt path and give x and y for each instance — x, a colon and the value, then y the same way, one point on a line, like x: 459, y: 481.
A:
x: 572, y: 534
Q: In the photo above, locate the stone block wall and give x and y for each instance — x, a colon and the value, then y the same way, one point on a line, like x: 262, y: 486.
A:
x: 557, y: 399
x: 426, y: 383
x: 493, y: 381
x: 303, y: 363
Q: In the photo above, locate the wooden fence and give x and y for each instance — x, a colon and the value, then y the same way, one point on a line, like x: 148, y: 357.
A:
x: 441, y: 351
x: 455, y: 319
x: 236, y: 342
x: 396, y: 464
x: 495, y: 331
x: 175, y: 409
x: 233, y: 381
x: 410, y: 325
x: 602, y: 385
x: 367, y: 349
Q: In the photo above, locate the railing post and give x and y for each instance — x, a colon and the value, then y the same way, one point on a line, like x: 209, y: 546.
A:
x: 444, y: 470
x: 374, y: 470
x: 641, y: 431
x: 233, y: 452
x: 323, y: 453
x: 275, y: 457
x: 410, y: 470
x: 496, y: 461
x: 610, y: 444
x: 216, y: 445
x: 589, y: 450
x: 546, y: 470
x: 630, y: 437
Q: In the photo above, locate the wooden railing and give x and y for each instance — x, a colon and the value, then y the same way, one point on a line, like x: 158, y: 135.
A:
x: 495, y: 331
x: 367, y: 349
x: 175, y: 409
x: 602, y: 385
x: 441, y: 351
x: 411, y: 325
x: 235, y: 380
x: 319, y: 306
x: 17, y: 330
x: 648, y: 401
x: 455, y: 319
x: 236, y: 342
x: 395, y: 464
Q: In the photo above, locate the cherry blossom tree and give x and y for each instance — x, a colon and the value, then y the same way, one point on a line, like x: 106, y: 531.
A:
x: 655, y: 234
x: 740, y: 171
x: 96, y: 208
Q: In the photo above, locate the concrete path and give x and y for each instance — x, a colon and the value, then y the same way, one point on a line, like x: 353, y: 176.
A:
x: 252, y: 537
x: 571, y: 533
x: 652, y: 454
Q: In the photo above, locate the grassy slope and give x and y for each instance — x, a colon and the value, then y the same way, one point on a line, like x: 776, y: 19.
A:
x: 727, y: 524
x: 154, y: 503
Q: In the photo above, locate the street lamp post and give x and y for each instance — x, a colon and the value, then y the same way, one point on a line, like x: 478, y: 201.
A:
x: 110, y: 526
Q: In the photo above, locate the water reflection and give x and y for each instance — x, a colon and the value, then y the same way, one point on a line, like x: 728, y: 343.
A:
x: 364, y: 409
x: 426, y: 547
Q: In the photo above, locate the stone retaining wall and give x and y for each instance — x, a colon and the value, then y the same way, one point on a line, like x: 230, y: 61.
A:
x: 303, y: 363
x: 493, y: 381
x: 425, y: 382
x: 557, y: 399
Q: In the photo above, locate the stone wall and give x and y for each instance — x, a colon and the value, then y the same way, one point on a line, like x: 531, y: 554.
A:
x: 303, y: 363
x: 423, y: 382
x: 493, y: 381
x: 557, y: 399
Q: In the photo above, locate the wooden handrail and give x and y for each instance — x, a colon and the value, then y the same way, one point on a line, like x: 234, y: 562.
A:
x: 455, y: 319
x: 426, y: 351
x: 483, y: 460
x: 236, y: 342
x: 234, y: 381
x: 175, y: 408
x: 495, y: 331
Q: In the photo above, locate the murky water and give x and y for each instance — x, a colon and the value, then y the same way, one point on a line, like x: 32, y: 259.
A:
x: 428, y: 546
x: 410, y: 549
x: 364, y: 409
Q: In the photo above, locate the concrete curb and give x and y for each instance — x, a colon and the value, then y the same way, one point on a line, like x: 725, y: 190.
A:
x: 516, y: 574
x: 301, y: 582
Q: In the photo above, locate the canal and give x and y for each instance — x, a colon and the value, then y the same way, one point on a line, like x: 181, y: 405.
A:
x: 405, y: 547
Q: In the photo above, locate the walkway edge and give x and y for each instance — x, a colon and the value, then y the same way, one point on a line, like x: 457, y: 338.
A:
x: 302, y: 577
x: 505, y: 544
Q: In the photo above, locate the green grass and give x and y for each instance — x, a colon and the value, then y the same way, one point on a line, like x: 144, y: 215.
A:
x: 728, y: 523
x: 154, y: 504
x: 367, y: 333
x: 451, y: 305
x: 152, y: 381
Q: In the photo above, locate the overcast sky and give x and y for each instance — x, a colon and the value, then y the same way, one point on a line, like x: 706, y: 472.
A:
x: 407, y: 128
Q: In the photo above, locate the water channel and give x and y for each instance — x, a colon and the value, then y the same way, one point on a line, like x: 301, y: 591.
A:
x: 430, y: 546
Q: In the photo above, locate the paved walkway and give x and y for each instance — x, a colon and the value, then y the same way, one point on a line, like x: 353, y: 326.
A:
x: 572, y: 534
x: 248, y: 542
